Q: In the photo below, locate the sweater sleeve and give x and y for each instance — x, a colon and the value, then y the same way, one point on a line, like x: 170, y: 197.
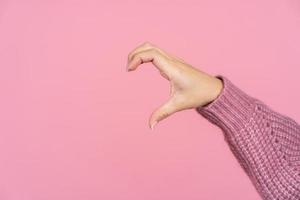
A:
x: 265, y: 142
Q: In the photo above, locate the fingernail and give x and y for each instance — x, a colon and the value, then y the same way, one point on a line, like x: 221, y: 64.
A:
x: 152, y: 126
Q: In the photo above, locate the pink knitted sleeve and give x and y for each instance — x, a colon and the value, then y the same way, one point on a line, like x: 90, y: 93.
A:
x: 265, y: 142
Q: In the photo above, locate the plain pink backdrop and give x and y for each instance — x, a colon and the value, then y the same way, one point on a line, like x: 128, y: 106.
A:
x: 74, y: 123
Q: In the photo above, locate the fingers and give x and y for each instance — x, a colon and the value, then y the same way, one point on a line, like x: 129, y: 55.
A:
x: 168, y: 68
x: 142, y: 47
x: 147, y: 46
x: 159, y: 61
x: 148, y: 52
x: 165, y: 110
x: 144, y: 56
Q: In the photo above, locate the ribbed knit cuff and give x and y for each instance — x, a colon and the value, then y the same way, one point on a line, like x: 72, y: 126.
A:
x: 231, y: 109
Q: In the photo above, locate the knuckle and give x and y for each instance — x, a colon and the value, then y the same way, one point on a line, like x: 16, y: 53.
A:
x: 147, y: 44
x: 164, y: 115
x: 134, y: 56
x: 154, y: 51
x: 130, y: 55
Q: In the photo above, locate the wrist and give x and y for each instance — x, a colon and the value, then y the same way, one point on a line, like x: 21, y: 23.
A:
x: 231, y: 109
x: 216, y: 89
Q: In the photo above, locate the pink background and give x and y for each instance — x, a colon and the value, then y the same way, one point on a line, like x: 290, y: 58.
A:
x: 74, y: 123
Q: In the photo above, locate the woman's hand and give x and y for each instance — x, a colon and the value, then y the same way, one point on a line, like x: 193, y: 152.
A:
x: 190, y: 87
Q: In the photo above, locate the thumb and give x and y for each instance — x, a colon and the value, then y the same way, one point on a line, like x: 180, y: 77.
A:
x: 164, y: 111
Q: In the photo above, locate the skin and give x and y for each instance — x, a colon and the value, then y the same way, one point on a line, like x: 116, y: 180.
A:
x: 189, y: 87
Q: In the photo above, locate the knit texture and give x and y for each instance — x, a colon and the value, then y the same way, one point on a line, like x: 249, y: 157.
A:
x: 265, y: 142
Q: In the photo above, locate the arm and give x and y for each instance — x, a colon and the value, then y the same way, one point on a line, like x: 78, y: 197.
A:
x: 265, y: 142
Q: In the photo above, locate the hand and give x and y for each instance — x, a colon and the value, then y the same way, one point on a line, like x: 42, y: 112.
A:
x: 189, y: 87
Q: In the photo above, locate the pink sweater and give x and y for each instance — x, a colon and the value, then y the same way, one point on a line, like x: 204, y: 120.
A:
x: 265, y: 142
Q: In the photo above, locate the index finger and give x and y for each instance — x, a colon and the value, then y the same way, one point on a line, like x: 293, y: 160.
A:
x: 150, y: 55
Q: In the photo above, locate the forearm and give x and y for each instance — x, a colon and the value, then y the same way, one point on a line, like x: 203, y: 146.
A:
x: 266, y: 143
